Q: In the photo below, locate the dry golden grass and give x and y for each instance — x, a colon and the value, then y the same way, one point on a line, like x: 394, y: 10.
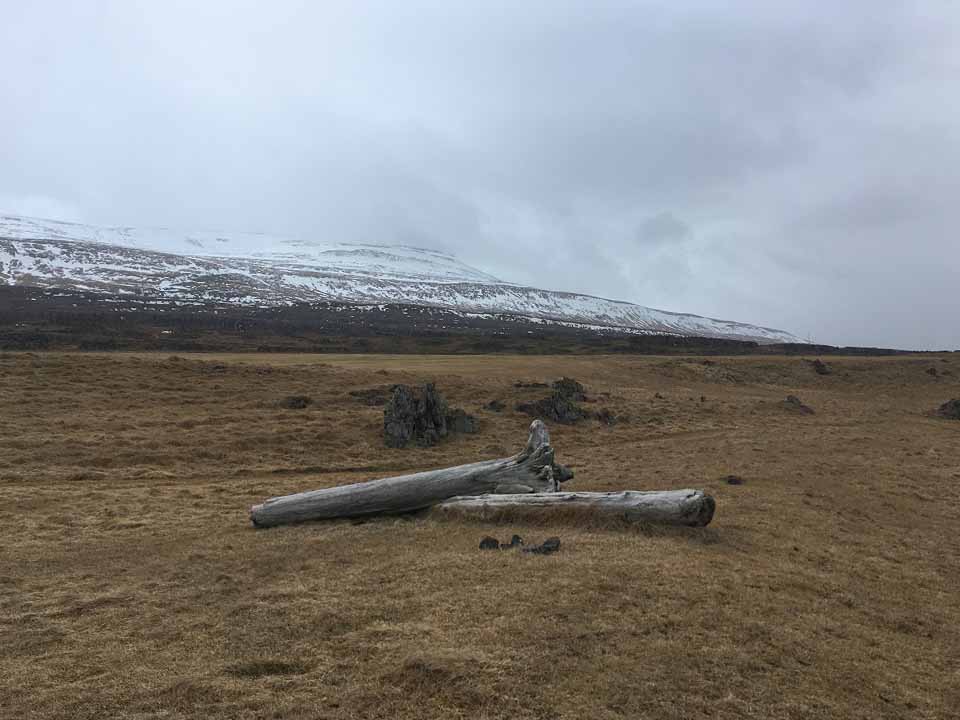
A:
x: 132, y: 585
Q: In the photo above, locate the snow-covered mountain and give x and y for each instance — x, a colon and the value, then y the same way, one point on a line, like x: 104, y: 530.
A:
x: 260, y: 269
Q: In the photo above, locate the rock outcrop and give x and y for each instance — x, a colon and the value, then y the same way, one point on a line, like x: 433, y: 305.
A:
x: 421, y: 416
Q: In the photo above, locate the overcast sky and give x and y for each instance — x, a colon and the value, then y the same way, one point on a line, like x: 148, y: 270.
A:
x: 791, y: 164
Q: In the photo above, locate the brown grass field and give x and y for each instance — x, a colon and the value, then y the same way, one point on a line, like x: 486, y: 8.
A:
x: 133, y: 586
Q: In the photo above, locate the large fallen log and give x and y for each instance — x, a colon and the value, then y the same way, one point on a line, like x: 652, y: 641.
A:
x: 532, y: 470
x: 668, y: 507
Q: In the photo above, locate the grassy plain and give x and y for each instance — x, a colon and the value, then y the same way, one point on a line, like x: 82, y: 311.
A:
x: 132, y: 585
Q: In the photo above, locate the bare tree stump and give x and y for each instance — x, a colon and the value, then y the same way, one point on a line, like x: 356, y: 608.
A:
x: 532, y: 470
x: 692, y: 508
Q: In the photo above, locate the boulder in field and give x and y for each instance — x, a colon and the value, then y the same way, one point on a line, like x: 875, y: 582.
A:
x: 820, y: 367
x: 489, y: 543
x: 295, y: 402
x: 561, y: 405
x: 794, y: 404
x: 421, y: 416
x: 556, y: 407
x: 950, y: 409
x: 414, y: 415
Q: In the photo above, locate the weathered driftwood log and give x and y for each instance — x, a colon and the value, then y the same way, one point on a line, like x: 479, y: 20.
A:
x: 669, y: 507
x: 532, y: 470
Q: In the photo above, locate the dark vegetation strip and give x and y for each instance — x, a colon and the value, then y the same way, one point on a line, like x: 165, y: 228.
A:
x: 45, y: 319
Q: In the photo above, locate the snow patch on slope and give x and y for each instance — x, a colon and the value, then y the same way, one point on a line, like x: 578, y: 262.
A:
x: 262, y: 269
x: 394, y: 261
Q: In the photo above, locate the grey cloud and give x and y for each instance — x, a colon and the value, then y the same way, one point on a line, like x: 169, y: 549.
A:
x: 809, y: 156
x: 662, y: 228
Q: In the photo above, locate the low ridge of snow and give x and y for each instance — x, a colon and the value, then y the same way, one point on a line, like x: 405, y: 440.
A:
x: 396, y: 261
x: 259, y: 269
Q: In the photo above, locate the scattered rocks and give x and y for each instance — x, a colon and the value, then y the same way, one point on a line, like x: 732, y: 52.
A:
x: 561, y: 405
x: 295, y: 402
x: 549, y: 546
x: 794, y: 404
x: 733, y: 480
x: 521, y: 384
x: 515, y: 541
x: 820, y: 367
x: 495, y: 406
x: 421, y: 416
x: 950, y: 410
x: 555, y: 407
x: 489, y: 543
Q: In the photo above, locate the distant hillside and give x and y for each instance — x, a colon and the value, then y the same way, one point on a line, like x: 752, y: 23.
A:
x: 269, y: 271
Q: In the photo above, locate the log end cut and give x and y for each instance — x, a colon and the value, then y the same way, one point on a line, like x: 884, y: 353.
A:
x: 702, y: 510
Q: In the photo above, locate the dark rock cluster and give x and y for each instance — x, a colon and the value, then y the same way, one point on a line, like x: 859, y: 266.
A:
x: 547, y: 547
x: 556, y: 407
x: 421, y: 416
x: 491, y: 543
x: 794, y: 404
x: 561, y: 406
x: 820, y: 367
x: 950, y: 410
x: 295, y: 402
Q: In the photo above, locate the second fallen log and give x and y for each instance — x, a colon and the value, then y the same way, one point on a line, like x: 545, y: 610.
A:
x: 692, y: 508
x: 532, y: 470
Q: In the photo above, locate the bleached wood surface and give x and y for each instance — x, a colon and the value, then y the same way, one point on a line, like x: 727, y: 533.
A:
x: 532, y: 470
x: 693, y: 508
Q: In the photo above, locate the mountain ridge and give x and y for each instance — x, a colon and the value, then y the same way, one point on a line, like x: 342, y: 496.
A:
x: 235, y: 267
